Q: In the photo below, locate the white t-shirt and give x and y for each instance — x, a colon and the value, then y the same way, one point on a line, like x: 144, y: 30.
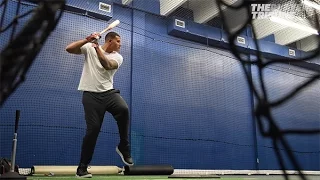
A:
x: 95, y: 78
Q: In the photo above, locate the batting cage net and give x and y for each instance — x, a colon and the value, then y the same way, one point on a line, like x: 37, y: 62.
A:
x: 213, y: 87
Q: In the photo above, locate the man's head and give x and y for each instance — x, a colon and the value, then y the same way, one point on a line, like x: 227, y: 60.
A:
x: 113, y: 40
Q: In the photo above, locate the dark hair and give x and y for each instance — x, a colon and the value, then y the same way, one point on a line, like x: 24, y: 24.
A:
x: 111, y: 35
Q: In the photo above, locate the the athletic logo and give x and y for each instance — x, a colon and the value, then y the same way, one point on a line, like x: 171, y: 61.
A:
x: 264, y: 11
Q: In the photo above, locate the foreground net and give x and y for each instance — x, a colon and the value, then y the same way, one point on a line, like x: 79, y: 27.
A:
x: 23, y: 46
x: 267, y: 124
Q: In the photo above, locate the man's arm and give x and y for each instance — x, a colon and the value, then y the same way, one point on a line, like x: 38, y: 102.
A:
x: 74, y: 48
x: 108, y: 64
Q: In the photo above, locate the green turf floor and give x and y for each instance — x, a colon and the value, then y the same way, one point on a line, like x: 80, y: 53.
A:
x: 122, y: 177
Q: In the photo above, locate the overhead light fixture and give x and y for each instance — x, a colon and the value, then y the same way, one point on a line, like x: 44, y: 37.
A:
x: 311, y: 4
x: 293, y: 25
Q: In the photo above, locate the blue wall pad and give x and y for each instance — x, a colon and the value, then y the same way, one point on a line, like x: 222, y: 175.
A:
x: 197, y: 32
x: 214, y: 36
x: 178, y: 31
x: 241, y: 42
x: 273, y: 50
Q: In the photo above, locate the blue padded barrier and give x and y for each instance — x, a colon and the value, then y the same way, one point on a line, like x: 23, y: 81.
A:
x: 197, y: 32
x: 241, y: 47
x: 224, y: 39
x: 181, y: 32
x: 219, y: 38
x: 273, y: 50
x: 214, y: 36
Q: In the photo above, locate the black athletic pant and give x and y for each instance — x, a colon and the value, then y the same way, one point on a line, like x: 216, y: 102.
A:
x: 95, y: 105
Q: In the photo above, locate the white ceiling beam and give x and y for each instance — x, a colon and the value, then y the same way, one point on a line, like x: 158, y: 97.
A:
x: 126, y: 2
x: 205, y: 10
x: 296, y: 29
x: 264, y: 27
x: 168, y: 6
x: 309, y: 43
x: 290, y: 35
